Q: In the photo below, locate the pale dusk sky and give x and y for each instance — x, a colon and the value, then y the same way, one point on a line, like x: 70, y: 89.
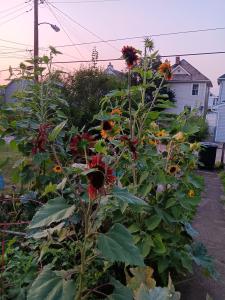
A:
x: 111, y: 20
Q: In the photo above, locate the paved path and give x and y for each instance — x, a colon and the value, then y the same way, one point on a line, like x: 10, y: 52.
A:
x: 210, y: 223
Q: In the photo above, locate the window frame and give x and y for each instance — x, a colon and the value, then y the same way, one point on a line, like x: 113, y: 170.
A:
x: 195, y: 89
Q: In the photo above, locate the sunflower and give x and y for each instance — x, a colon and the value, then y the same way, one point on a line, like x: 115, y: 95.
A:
x: 194, y: 146
x: 130, y: 54
x: 80, y: 142
x: 191, y: 193
x: 173, y: 169
x: 180, y: 137
x: 116, y: 111
x: 57, y: 169
x: 109, y: 130
x: 165, y: 70
x: 153, y: 142
x: 161, y: 133
x: 102, y: 175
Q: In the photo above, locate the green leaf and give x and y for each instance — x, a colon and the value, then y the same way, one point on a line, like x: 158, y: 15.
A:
x: 156, y: 293
x: 158, y: 243
x: 50, y: 188
x: 53, y: 211
x: 117, y: 245
x: 120, y: 292
x: 56, y: 131
x: 50, y: 286
x: 124, y: 196
x: 153, y: 222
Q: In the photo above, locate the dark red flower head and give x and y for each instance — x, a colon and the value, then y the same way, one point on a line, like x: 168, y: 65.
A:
x: 101, y: 176
x: 130, y: 55
x: 132, y: 144
x: 39, y: 143
x: 80, y: 142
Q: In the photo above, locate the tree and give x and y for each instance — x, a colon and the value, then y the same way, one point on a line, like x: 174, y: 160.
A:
x: 84, y: 89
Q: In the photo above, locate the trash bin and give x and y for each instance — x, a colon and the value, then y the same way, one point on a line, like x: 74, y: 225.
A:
x: 207, y: 155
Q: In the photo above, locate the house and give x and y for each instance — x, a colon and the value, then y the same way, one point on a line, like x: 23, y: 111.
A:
x: 191, y: 87
x: 221, y: 83
x: 213, y: 101
x: 111, y: 71
x: 8, y: 91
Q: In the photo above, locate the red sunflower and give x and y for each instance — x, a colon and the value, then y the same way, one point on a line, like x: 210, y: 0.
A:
x: 130, y: 54
x: 101, y: 176
x: 80, y: 142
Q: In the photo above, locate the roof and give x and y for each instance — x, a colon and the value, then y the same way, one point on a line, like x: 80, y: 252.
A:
x: 193, y: 75
x: 111, y: 71
x: 222, y: 77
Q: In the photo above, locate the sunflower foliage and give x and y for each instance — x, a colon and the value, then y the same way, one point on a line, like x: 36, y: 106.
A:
x: 110, y: 208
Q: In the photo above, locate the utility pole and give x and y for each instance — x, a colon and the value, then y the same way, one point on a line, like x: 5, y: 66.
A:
x: 36, y: 45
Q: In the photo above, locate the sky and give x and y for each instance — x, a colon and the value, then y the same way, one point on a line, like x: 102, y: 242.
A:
x: 112, y: 20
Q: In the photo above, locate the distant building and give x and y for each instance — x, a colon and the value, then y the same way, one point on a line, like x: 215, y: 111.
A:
x: 221, y: 82
x: 213, y: 101
x: 8, y: 91
x: 111, y: 71
x: 191, y: 88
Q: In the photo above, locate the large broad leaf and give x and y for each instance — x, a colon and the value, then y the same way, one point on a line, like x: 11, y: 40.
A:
x: 54, y: 211
x: 120, y: 292
x: 117, y: 245
x: 157, y: 293
x: 49, y: 285
x: 124, y: 196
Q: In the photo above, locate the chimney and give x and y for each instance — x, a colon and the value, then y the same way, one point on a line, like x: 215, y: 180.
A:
x: 177, y: 60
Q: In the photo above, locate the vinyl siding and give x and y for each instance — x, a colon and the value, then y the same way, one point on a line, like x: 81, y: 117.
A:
x: 183, y: 96
x: 220, y: 130
x: 222, y: 92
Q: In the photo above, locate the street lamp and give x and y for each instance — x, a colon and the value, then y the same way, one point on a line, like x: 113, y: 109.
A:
x: 54, y: 27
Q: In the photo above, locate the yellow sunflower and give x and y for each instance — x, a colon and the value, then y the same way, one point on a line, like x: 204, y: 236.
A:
x: 161, y: 133
x: 180, y: 137
x: 57, y: 169
x: 153, y: 142
x: 116, y: 111
x: 173, y: 169
x: 191, y: 193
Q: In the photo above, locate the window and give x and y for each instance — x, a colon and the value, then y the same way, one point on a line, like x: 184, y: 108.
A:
x: 195, y: 89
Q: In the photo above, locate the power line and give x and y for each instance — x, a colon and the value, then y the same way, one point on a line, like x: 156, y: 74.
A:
x: 16, y: 43
x: 86, y: 29
x: 119, y: 59
x: 85, y: 1
x: 11, y: 8
x: 62, y: 26
x: 13, y: 18
x: 144, y: 36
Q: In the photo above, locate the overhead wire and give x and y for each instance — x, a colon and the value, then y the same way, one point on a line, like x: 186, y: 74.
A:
x: 85, y: 1
x: 15, y: 17
x: 83, y: 27
x: 14, y: 11
x: 10, y: 8
x: 57, y: 19
x: 144, y: 36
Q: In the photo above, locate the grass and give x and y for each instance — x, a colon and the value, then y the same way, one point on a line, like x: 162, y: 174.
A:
x: 6, y: 152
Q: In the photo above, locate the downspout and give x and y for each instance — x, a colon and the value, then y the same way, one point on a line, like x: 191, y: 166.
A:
x: 206, y: 101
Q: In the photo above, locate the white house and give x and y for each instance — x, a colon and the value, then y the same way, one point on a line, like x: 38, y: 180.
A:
x: 213, y: 101
x: 221, y: 82
x: 191, y: 88
x: 14, y: 86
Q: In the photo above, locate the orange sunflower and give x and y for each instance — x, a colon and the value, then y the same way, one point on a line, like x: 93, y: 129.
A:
x: 165, y: 70
x: 57, y: 169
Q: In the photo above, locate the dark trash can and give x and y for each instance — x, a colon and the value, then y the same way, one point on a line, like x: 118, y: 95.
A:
x: 207, y: 156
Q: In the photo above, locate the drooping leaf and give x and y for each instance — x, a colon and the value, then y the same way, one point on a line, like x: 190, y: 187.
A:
x: 50, y: 286
x: 124, y: 196
x: 120, y: 292
x: 117, y: 246
x: 56, y: 131
x: 53, y: 211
